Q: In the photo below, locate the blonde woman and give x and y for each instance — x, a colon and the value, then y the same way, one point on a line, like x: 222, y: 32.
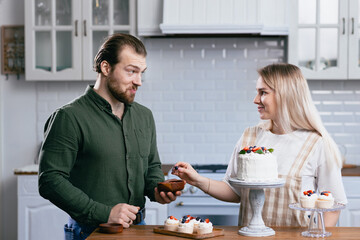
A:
x: 307, y: 156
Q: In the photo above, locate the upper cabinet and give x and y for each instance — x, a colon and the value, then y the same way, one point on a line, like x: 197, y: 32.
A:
x: 149, y: 17
x: 324, y: 38
x: 63, y: 36
x: 265, y: 17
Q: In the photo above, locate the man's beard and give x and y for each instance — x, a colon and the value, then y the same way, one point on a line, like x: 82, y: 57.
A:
x: 117, y: 93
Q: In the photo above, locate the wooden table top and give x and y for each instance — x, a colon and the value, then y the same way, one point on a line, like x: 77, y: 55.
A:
x: 231, y: 232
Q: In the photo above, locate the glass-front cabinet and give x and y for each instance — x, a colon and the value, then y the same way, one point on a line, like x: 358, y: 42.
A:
x: 354, y: 39
x: 63, y: 36
x: 324, y: 38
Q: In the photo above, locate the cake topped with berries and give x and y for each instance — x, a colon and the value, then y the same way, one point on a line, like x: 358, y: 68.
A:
x: 188, y: 224
x: 325, y: 200
x: 171, y: 223
x: 205, y: 227
x: 257, y: 164
x: 308, y: 198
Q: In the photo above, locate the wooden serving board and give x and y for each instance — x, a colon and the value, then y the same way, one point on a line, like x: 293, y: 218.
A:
x: 216, y: 232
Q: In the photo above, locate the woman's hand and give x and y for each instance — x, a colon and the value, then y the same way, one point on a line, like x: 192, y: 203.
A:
x: 186, y: 172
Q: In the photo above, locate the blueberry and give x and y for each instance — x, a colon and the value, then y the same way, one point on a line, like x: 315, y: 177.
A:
x: 248, y: 151
x: 262, y: 148
x: 198, y: 218
x: 176, y: 167
x: 201, y: 220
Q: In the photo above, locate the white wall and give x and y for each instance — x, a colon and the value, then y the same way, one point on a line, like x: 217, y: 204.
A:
x: 18, y: 118
x: 200, y: 91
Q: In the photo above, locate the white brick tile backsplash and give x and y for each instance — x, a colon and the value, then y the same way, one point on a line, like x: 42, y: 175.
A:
x: 201, y: 93
x: 203, y: 106
x: 193, y: 117
x: 173, y: 117
x: 183, y: 106
x: 173, y: 138
x: 214, y: 117
x: 193, y: 138
x: 204, y: 127
x: 257, y: 53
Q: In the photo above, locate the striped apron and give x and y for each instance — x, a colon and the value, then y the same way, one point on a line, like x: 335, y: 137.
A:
x: 276, y: 211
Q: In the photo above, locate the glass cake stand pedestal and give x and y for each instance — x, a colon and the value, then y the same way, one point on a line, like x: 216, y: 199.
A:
x: 256, y: 227
x: 316, y: 228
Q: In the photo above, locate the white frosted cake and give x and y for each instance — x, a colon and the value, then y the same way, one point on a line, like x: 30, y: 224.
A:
x: 257, y: 164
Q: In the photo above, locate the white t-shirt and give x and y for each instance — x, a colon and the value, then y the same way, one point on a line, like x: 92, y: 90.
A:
x: 317, y: 174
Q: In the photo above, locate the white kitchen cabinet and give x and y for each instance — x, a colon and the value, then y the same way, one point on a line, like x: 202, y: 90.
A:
x: 350, y: 216
x: 63, y: 36
x: 149, y: 17
x: 156, y: 213
x: 38, y: 219
x: 324, y: 38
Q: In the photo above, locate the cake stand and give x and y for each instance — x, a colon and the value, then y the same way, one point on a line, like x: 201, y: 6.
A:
x: 256, y: 227
x: 316, y: 228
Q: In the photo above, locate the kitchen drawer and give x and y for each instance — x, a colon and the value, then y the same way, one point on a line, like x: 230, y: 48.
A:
x: 28, y: 185
x: 351, y: 185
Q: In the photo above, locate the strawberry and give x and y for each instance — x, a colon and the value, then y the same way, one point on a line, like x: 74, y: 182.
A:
x: 207, y: 220
x: 255, y: 149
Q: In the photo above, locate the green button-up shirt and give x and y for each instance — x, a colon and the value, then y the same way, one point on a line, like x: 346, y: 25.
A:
x: 92, y: 160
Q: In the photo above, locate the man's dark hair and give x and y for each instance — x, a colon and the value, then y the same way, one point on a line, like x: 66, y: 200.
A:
x: 111, y: 49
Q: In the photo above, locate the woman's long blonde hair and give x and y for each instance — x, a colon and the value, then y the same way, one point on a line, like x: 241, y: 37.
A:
x: 296, y: 109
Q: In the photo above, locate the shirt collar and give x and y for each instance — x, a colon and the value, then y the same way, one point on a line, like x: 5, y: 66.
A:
x: 100, y: 101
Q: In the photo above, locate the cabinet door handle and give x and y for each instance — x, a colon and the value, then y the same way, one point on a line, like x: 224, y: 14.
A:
x: 343, y: 26
x: 76, y: 28
x: 85, y: 28
x: 179, y: 204
x: 352, y: 26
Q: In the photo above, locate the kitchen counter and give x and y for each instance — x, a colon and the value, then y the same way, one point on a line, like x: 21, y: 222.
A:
x: 348, y: 170
x: 231, y: 232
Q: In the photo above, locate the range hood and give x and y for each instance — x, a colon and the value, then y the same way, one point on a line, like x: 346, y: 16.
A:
x: 263, y: 17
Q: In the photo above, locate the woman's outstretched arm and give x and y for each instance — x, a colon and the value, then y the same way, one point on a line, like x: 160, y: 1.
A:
x: 217, y: 189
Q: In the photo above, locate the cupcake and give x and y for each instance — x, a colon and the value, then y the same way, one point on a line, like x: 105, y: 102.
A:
x: 308, y: 199
x: 196, y: 222
x: 325, y: 200
x: 171, y: 224
x: 205, y: 227
x: 186, y: 226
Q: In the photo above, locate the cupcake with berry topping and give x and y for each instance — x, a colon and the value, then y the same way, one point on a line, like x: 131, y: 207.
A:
x: 196, y: 221
x: 308, y: 199
x: 325, y: 200
x: 205, y: 227
x: 186, y: 226
x: 171, y: 223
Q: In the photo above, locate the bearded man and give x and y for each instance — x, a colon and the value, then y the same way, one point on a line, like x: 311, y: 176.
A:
x: 99, y: 158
